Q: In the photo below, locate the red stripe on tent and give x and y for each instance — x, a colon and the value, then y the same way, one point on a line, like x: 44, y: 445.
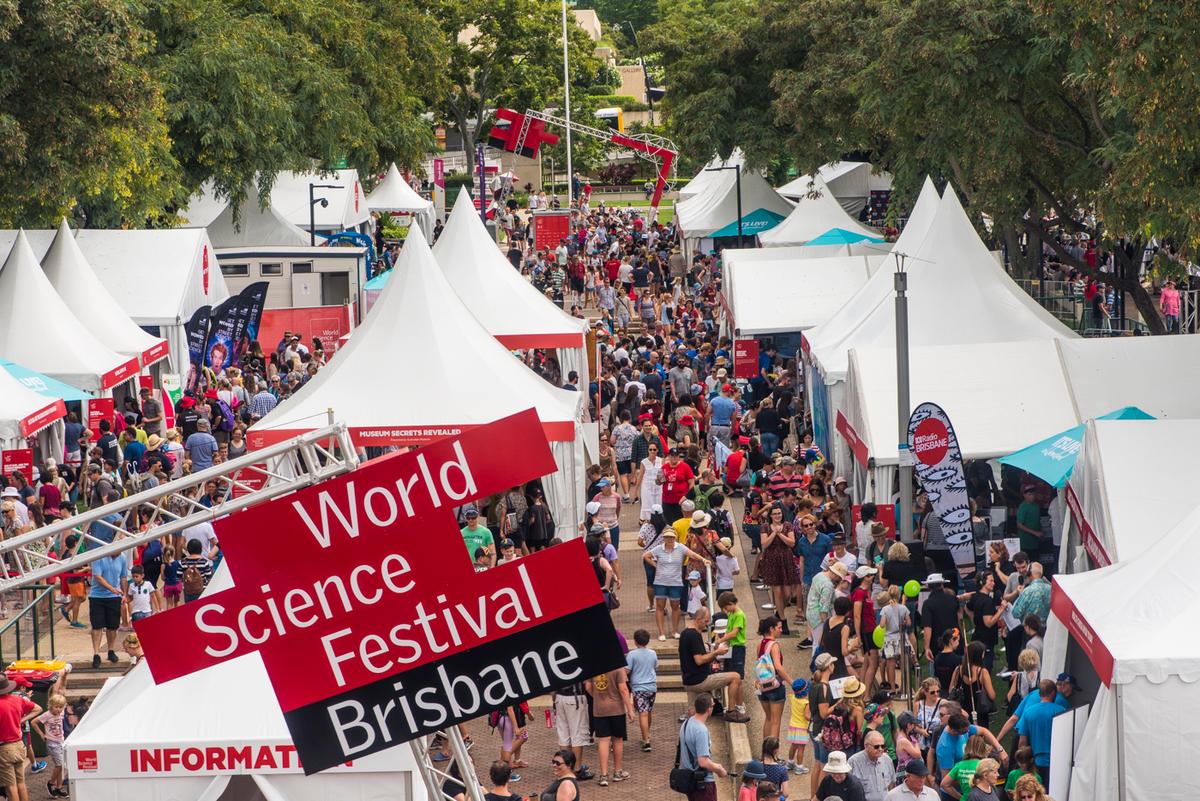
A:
x: 1062, y: 607
x: 857, y: 446
x: 120, y: 374
x: 156, y: 353
x: 805, y: 345
x: 396, y: 435
x: 42, y: 418
x: 525, y: 341
x: 1087, y: 535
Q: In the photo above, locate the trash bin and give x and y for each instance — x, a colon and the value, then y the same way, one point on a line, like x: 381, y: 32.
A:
x: 41, y: 674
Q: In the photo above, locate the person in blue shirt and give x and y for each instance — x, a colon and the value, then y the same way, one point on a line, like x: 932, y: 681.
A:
x: 721, y: 411
x: 110, y: 583
x: 952, y: 740
x: 1036, y: 725
x: 1065, y: 685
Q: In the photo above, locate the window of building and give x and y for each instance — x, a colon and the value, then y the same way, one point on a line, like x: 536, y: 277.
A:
x: 302, y: 267
x: 270, y: 269
x: 235, y: 269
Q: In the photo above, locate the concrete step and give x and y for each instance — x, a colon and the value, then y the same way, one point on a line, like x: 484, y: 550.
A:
x: 81, y: 693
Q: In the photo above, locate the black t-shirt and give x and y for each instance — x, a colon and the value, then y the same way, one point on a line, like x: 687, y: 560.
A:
x: 943, y: 668
x: 498, y: 797
x: 900, y: 573
x: 641, y: 276
x: 981, y: 606
x: 767, y: 421
x: 110, y: 447
x: 849, y: 790
x: 940, y: 614
x: 653, y: 381
x: 691, y: 645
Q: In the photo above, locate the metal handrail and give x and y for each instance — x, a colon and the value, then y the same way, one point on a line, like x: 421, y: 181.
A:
x: 31, y: 609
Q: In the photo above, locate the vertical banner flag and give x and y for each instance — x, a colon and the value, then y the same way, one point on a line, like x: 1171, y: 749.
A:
x: 439, y: 188
x: 99, y: 409
x: 938, y: 466
x: 745, y: 358
x: 196, y: 331
x: 14, y: 459
x: 222, y: 331
x: 377, y: 599
x: 249, y: 317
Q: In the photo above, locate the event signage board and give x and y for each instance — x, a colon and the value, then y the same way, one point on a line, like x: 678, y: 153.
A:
x: 884, y: 513
x: 857, y: 446
x: 550, y: 228
x: 745, y: 358
x: 99, y: 409
x: 15, y: 459
x: 1063, y: 608
x: 439, y: 188
x: 937, y: 464
x: 196, y: 332
x: 1091, y: 541
x: 376, y: 596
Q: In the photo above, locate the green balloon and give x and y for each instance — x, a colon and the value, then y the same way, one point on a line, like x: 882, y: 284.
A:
x: 877, y: 636
x: 912, y: 588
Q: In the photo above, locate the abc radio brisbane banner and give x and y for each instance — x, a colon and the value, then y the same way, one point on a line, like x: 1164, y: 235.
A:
x: 360, y: 597
x: 939, y: 468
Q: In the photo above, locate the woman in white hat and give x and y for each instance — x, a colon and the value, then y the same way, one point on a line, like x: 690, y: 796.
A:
x: 838, y: 782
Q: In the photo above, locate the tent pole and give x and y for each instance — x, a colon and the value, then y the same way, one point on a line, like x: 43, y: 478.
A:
x: 1120, y: 705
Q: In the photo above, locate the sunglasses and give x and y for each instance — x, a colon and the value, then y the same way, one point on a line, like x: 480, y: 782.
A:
x: 879, y: 747
x: 558, y: 763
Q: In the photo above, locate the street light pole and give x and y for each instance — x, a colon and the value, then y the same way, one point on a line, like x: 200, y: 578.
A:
x: 738, y: 173
x: 904, y: 403
x: 312, y: 209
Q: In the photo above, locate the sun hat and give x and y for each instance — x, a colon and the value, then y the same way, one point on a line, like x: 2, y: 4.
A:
x: 837, y: 763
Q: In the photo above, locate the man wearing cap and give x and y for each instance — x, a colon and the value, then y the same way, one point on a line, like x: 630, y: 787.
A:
x: 186, y: 416
x: 201, y: 446
x: 912, y: 786
x: 722, y: 411
x: 1065, y: 684
x: 476, y: 535
x: 15, y: 712
x: 152, y: 413
x: 820, y: 598
x: 838, y: 781
x: 786, y: 477
x: 873, y: 767
x: 841, y: 554
x: 696, y: 665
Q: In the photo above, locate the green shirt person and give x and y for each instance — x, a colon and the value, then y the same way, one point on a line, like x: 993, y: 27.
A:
x: 475, y: 536
x: 1029, y: 524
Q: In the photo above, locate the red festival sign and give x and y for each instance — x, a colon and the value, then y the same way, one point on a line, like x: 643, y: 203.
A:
x: 550, y: 228
x: 99, y: 409
x: 14, y: 459
x: 377, y: 597
x: 884, y: 513
x: 745, y: 358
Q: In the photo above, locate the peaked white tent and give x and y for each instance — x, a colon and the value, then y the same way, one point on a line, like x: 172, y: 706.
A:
x: 38, y: 330
x: 393, y: 194
x: 1131, y: 624
x: 708, y: 173
x: 137, y: 744
x: 422, y: 367
x: 851, y: 182
x: 254, y: 225
x: 1110, y: 372
x: 813, y: 215
x: 89, y: 300
x: 23, y: 412
x: 347, y: 205
x: 715, y: 212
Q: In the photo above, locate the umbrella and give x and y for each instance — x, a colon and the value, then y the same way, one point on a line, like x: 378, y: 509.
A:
x: 840, y: 236
x: 44, y: 384
x: 1053, y: 459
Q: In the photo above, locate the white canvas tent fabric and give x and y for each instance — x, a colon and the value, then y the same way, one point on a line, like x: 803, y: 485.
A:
x: 433, y: 370
x: 1126, y: 507
x: 134, y: 723
x: 1110, y: 372
x: 991, y: 417
x: 89, y: 299
x: 717, y: 207
x: 1132, y: 619
x: 811, y: 217
x: 254, y: 226
x: 347, y: 207
x: 393, y: 194
x: 850, y: 181
x: 704, y: 178
x: 64, y: 349
x: 788, y: 294
x: 24, y: 412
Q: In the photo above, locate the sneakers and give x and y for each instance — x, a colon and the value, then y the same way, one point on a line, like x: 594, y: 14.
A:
x: 646, y: 746
x: 95, y: 661
x: 603, y: 782
x: 805, y: 643
x: 112, y: 657
x: 620, y: 776
x: 56, y: 792
x: 649, y: 608
x: 515, y: 777
x: 800, y: 770
x: 75, y: 624
x: 676, y: 635
x: 584, y: 774
x: 662, y: 638
x: 38, y: 767
x: 768, y: 607
x: 63, y: 611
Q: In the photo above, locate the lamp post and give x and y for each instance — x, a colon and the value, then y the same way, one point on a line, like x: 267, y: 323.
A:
x: 312, y: 209
x: 645, y: 73
x: 738, y: 172
x: 904, y: 404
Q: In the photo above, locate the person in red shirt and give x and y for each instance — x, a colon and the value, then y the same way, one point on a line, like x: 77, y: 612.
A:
x: 15, y: 712
x: 677, y: 479
x: 737, y: 477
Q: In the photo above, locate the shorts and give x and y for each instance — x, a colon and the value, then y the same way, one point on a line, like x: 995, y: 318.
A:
x: 136, y: 616
x: 105, y: 613
x: 77, y: 589
x: 736, y: 663
x: 891, y: 646
x: 650, y: 571
x: 12, y: 763
x: 571, y: 721
x: 797, y: 735
x: 820, y: 752
x: 152, y: 573
x: 624, y: 467
x: 711, y: 684
x: 57, y: 753
x: 676, y: 594
x: 776, y: 696
x: 172, y: 590
x: 868, y: 643
x: 708, y: 792
x: 610, y: 726
x: 643, y: 700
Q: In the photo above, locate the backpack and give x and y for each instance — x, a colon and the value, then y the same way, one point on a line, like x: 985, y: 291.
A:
x: 227, y: 420
x: 193, y: 581
x: 152, y: 554
x: 837, y: 730
x: 765, y: 678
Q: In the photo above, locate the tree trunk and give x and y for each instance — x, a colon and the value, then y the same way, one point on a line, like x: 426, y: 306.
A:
x: 1141, y: 297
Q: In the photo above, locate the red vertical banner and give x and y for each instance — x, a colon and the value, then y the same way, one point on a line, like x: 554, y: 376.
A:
x: 146, y: 382
x: 99, y: 409
x: 745, y: 358
x: 168, y: 408
x: 204, y: 270
x: 550, y: 228
x: 15, y: 459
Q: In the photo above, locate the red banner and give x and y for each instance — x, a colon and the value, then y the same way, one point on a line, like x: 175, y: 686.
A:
x: 745, y: 358
x: 550, y: 228
x: 120, y: 374
x: 146, y: 382
x: 155, y: 353
x: 43, y: 417
x: 17, y: 459
x: 1087, y: 535
x: 326, y: 323
x: 1062, y: 607
x: 884, y: 513
x: 99, y: 409
x: 857, y: 446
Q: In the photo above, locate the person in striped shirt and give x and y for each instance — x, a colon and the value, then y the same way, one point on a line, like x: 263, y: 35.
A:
x: 786, y: 477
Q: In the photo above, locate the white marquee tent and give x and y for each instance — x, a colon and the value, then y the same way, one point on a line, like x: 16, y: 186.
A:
x: 851, y: 182
x: 393, y: 194
x: 1131, y: 622
x: 715, y: 211
x: 254, y: 225
x: 23, y: 412
x: 812, y: 216
x: 38, y: 330
x: 89, y: 300
x: 708, y: 174
x: 345, y: 208
x: 422, y: 367
x: 135, y: 723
